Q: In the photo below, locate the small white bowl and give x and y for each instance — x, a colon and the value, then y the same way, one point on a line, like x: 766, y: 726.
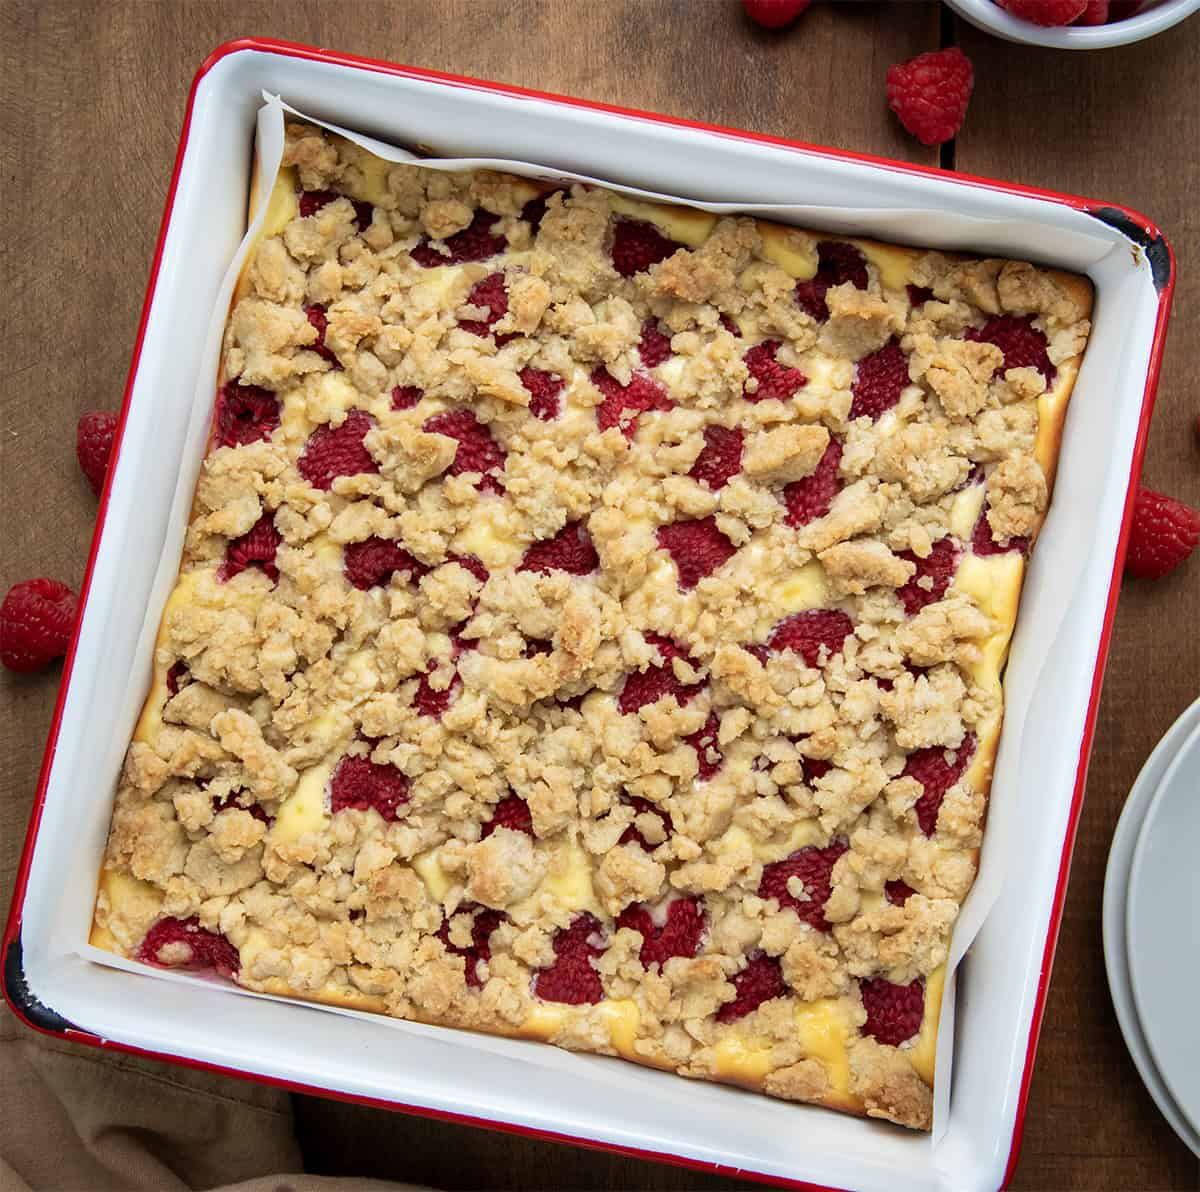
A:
x: 1154, y: 18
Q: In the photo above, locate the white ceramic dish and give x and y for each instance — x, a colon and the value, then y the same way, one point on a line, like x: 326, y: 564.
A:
x: 1052, y: 683
x: 1154, y: 18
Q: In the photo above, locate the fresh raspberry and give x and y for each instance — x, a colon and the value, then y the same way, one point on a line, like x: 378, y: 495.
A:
x: 1023, y: 345
x: 373, y: 562
x: 774, y: 14
x: 477, y: 450
x: 721, y: 457
x: 646, y: 686
x: 814, y: 867
x: 929, y: 93
x: 93, y: 445
x: 337, y: 451
x: 837, y: 263
x: 511, y: 812
x: 879, y: 380
x: 36, y: 622
x: 814, y: 768
x: 1048, y: 13
x: 727, y: 322
x: 708, y: 752
x: 476, y: 242
x: 1163, y: 533
x: 623, y: 403
x: 245, y: 414
x: 480, y: 952
x: 545, y: 392
x: 570, y: 550
x: 405, y: 397
x: 919, y: 295
x: 810, y: 498
x: 774, y: 379
x: 491, y: 295
x: 898, y: 892
x: 572, y: 979
x: 255, y: 548
x: 936, y: 776
x: 637, y: 245
x: 233, y: 802
x: 1095, y: 13
x: 938, y: 567
x: 760, y: 981
x: 983, y: 541
x: 810, y: 632
x: 178, y: 676
x: 433, y: 703
x: 311, y: 201
x: 697, y: 547
x: 183, y: 943
x: 894, y: 1012
x: 679, y: 934
x: 655, y: 345
x: 358, y: 783
x: 317, y: 318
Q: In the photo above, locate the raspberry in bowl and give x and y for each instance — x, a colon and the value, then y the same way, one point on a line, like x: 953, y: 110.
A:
x: 1088, y: 29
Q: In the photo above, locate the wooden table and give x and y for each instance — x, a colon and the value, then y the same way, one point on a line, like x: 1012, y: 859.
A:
x: 92, y: 97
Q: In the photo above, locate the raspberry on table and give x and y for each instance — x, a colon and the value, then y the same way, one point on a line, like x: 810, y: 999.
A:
x: 838, y: 262
x: 93, y: 445
x: 476, y: 242
x: 1048, y: 13
x: 545, y: 392
x: 698, y: 548
x: 936, y: 774
x: 811, y: 633
x: 638, y: 244
x: 1162, y: 534
x: 938, y: 567
x: 1023, y: 345
x: 570, y: 550
x: 708, y: 752
x: 774, y: 380
x: 491, y: 295
x: 813, y: 866
x: 623, y: 403
x: 477, y: 450
x: 375, y: 560
x: 894, y: 1012
x: 721, y: 457
x: 678, y: 934
x: 572, y: 979
x: 641, y: 806
x: 255, y: 548
x: 654, y: 346
x: 37, y: 619
x: 511, y: 812
x: 649, y: 685
x: 333, y: 451
x: 245, y: 414
x: 318, y: 320
x: 774, y: 14
x: 810, y: 498
x: 183, y: 943
x: 930, y: 93
x: 484, y: 923
x: 360, y: 784
x: 760, y: 981
x: 879, y: 379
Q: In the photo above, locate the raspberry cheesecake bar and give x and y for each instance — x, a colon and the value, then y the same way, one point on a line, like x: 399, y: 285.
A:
x: 591, y: 624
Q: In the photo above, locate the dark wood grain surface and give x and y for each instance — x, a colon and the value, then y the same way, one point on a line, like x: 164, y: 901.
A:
x: 91, y: 99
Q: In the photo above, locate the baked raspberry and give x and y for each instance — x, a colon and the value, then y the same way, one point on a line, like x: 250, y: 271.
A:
x: 774, y: 14
x: 814, y: 868
x: 183, y: 943
x: 633, y: 834
x: 570, y: 550
x: 775, y: 380
x: 983, y: 542
x: 678, y: 933
x: 1048, y: 13
x: 373, y: 562
x: 698, y: 548
x: 477, y: 450
x: 760, y: 981
x: 937, y: 769
x: 837, y: 263
x: 480, y: 952
x: 898, y: 892
x: 178, y: 677
x: 1163, y: 533
x: 919, y: 295
x: 93, y: 445
x: 511, y: 812
x: 721, y: 457
x: 572, y: 979
x: 810, y: 632
x: 646, y: 686
x: 545, y: 392
x: 255, y: 548
x: 535, y: 210
x: 623, y: 403
x: 727, y: 322
x: 358, y: 783
x: 245, y: 414
x: 894, y: 1012
x: 37, y: 619
x: 311, y: 201
x: 759, y: 650
x: 1023, y: 345
x: 655, y: 345
x: 814, y: 768
x: 937, y: 569
x: 431, y: 702
x: 476, y: 242
x: 333, y: 451
x: 930, y: 93
x: 405, y: 397
x: 473, y: 564
x: 317, y: 318
x: 535, y: 647
x: 810, y: 498
x: 879, y: 380
x: 233, y: 802
x: 708, y: 752
x: 637, y: 245
x: 491, y: 295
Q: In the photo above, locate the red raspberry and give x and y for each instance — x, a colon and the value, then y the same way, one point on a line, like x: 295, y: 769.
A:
x: 637, y: 245
x: 814, y: 768
x: 623, y: 403
x: 655, y: 345
x: 491, y: 295
x: 810, y: 632
x: 929, y: 93
x: 405, y: 397
x: 477, y: 242
x: 178, y: 676
x: 698, y: 549
x: 311, y: 201
x: 545, y: 392
x: 486, y: 921
x: 632, y: 834
x: 1045, y: 12
x: 919, y: 295
x: 810, y: 498
x: 936, y: 776
x: 646, y: 686
x: 473, y: 564
x: 190, y: 947
x: 878, y: 381
x: 245, y: 414
x: 572, y: 979
x: 774, y: 14
x: 535, y: 210
x: 814, y: 867
x: 433, y: 703
x: 477, y: 450
x: 708, y: 752
x: 1023, y: 345
x: 570, y: 550
x: 316, y: 317
x: 837, y: 263
x: 232, y: 801
x: 774, y: 379
x: 359, y: 784
x: 894, y: 1012
x: 511, y: 812
x: 93, y: 445
x: 983, y: 542
x: 1163, y: 533
x: 37, y: 619
x: 727, y: 322
x: 939, y: 566
x: 255, y: 548
x: 337, y: 451
x: 372, y: 563
x: 720, y: 459
x: 679, y: 934
x: 1096, y: 13
x: 760, y: 981
x: 898, y: 892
